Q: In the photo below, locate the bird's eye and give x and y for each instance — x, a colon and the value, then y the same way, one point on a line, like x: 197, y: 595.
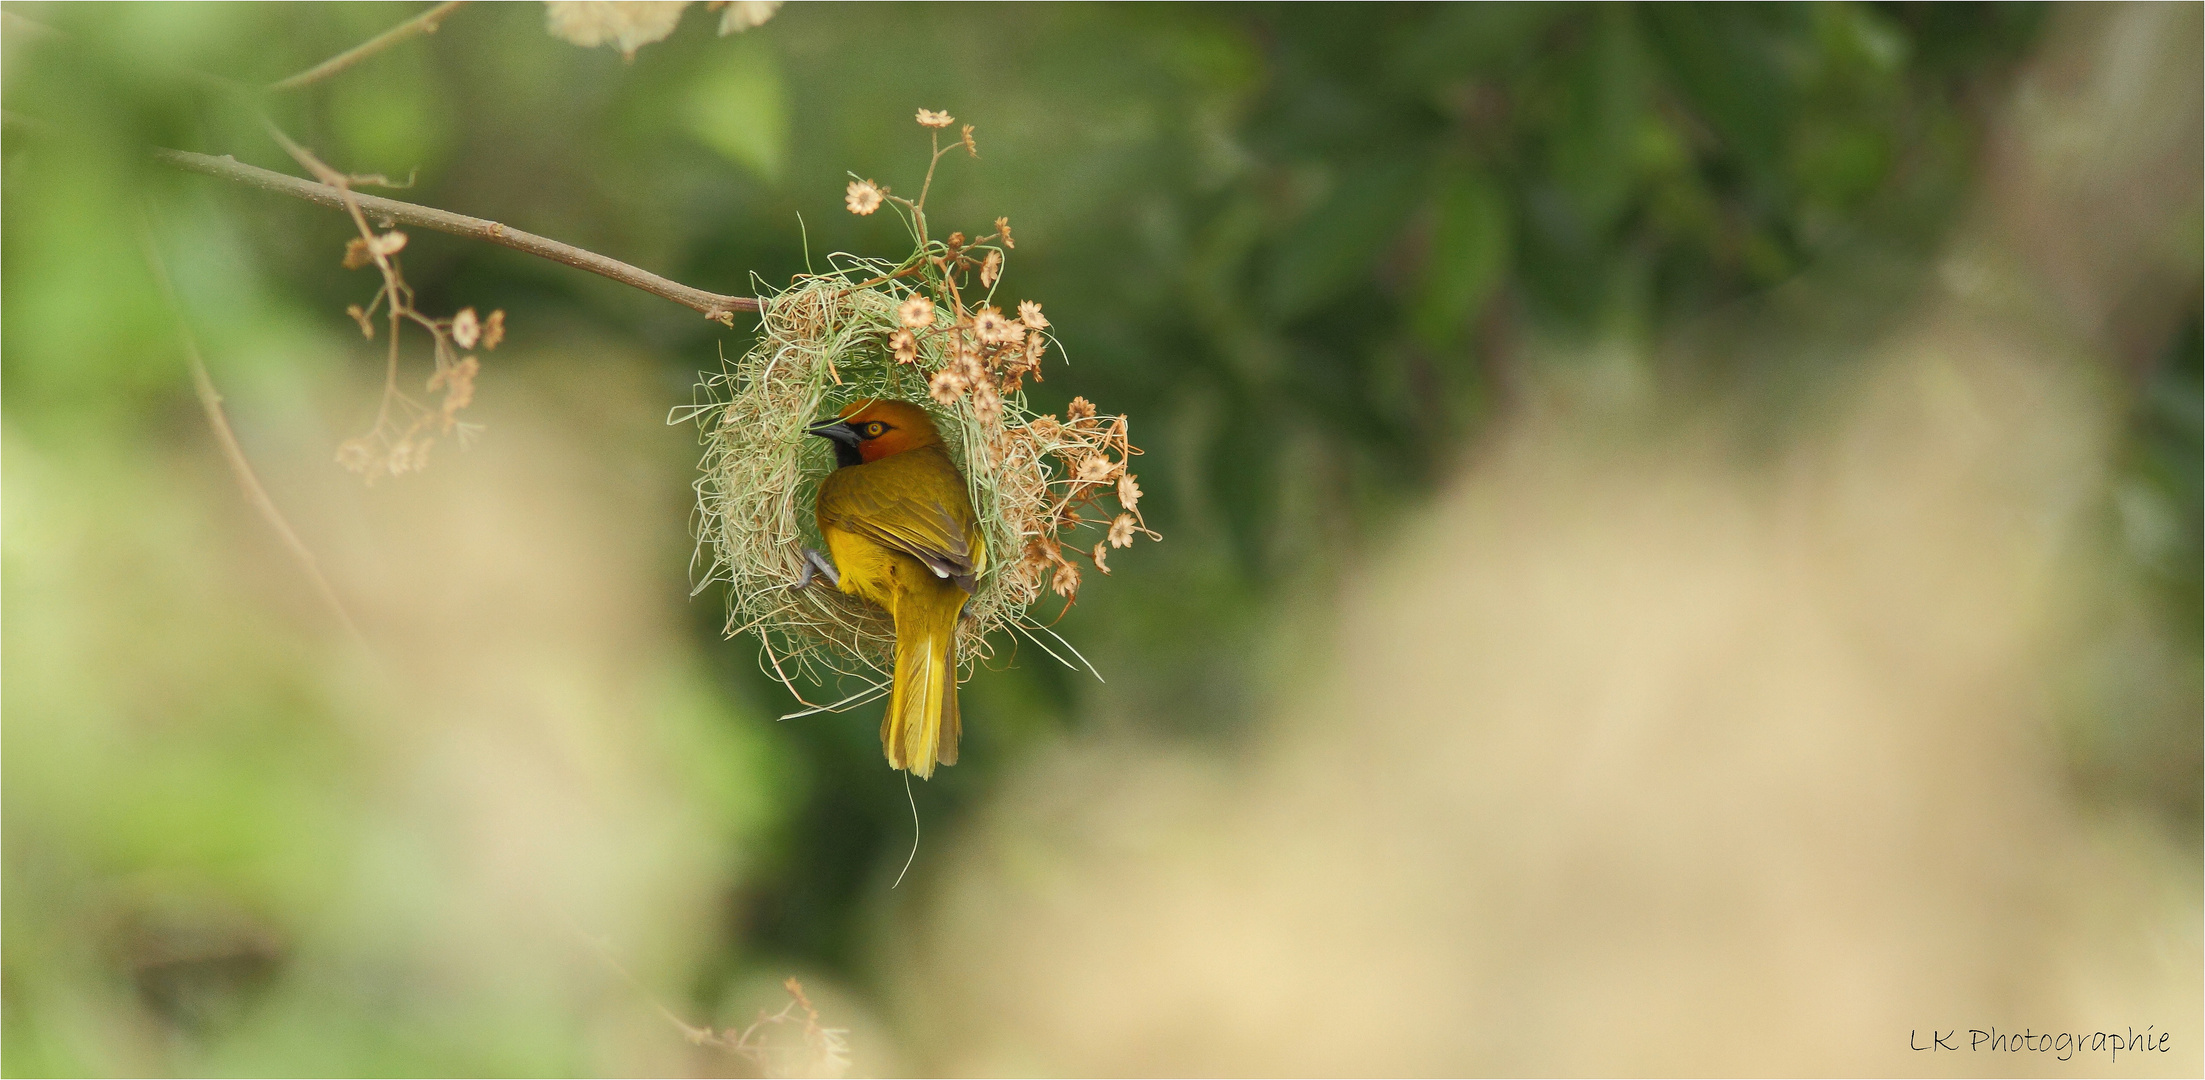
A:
x: 873, y: 429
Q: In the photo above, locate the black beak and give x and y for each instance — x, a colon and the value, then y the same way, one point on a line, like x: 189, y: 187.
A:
x: 837, y: 430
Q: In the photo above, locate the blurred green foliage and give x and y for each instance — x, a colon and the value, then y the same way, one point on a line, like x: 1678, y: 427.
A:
x: 1311, y: 249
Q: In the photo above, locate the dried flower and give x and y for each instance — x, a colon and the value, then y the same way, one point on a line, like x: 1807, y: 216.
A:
x: 1066, y: 581
x: 968, y: 363
x: 994, y: 329
x: 917, y: 313
x: 1003, y: 229
x: 1129, y: 495
x: 904, y: 346
x: 863, y: 197
x: 460, y: 379
x: 356, y: 455
x: 1097, y: 468
x: 625, y: 26
x: 932, y: 119
x: 967, y: 140
x: 1030, y: 314
x: 1035, y: 558
x: 987, y: 403
x: 494, y: 331
x: 947, y: 385
x: 1121, y: 531
x: 1080, y: 409
x: 744, y: 14
x: 466, y: 330
x: 388, y: 244
x: 356, y: 253
x: 991, y: 269
x: 1097, y: 555
x: 359, y: 315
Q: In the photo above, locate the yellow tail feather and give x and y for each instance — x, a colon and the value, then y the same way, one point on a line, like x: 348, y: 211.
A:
x: 921, y: 727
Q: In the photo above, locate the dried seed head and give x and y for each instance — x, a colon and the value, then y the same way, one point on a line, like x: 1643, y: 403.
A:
x: 356, y: 253
x: 494, y: 330
x: 863, y: 197
x: 1080, y: 409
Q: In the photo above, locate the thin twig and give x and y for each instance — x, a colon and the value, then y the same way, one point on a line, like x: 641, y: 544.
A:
x: 827, y: 1050
x: 424, y: 23
x: 210, y: 400
x: 715, y: 306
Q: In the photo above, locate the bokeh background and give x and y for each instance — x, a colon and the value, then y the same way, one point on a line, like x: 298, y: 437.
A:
x: 1682, y: 550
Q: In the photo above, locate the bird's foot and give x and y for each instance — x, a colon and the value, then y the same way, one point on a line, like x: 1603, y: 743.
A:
x: 815, y: 563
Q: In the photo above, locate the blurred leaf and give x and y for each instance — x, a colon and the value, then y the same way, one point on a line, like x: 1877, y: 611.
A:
x: 736, y: 107
x: 1841, y: 166
x: 1594, y: 148
x: 1471, y: 241
x: 1341, y: 239
x: 1474, y: 39
x: 394, y: 120
x: 1728, y: 65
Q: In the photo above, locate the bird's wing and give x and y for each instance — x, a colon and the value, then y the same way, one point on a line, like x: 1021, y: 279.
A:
x: 918, y: 507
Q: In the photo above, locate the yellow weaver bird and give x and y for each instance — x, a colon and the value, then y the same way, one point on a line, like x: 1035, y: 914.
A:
x: 901, y: 533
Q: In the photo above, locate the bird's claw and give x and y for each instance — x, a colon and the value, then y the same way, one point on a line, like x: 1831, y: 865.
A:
x: 815, y: 563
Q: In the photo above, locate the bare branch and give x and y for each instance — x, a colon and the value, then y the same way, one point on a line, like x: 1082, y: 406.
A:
x: 424, y: 23
x: 715, y: 306
x: 217, y: 418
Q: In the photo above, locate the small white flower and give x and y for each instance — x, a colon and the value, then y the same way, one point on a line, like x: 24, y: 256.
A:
x: 466, y: 329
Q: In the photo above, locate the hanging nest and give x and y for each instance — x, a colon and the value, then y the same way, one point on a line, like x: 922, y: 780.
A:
x: 878, y: 330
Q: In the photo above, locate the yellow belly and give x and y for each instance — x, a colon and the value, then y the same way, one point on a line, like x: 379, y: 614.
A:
x: 870, y: 571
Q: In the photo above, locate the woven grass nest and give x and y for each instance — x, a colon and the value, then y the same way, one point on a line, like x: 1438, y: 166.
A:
x: 922, y: 331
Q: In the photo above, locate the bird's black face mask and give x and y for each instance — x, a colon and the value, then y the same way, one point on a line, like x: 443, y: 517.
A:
x: 845, y: 439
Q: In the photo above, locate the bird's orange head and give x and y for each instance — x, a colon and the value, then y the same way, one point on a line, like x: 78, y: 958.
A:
x: 870, y: 429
